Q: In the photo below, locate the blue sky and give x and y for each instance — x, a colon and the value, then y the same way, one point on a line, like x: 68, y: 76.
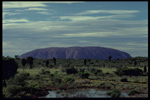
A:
x: 32, y: 25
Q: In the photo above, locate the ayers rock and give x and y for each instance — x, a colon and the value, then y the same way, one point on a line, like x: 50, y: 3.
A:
x: 76, y: 53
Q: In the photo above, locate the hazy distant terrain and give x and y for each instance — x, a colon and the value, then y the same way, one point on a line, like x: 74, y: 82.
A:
x: 76, y: 53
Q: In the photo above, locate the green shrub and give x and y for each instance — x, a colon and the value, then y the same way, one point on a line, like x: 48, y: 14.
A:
x: 17, y: 85
x: 124, y: 80
x: 9, y: 67
x: 98, y: 72
x: 36, y: 77
x: 19, y: 79
x: 114, y: 93
x: 71, y: 70
x: 129, y: 71
x: 132, y: 92
x: 13, y: 90
x: 85, y: 75
x: 56, y: 79
x: 43, y: 71
x: 82, y: 69
x: 68, y: 79
x: 32, y: 87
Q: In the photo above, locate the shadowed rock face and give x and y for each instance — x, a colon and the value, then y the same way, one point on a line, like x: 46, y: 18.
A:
x: 76, y: 53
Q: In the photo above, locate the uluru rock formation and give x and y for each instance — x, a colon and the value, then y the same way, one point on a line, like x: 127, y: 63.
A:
x: 76, y: 53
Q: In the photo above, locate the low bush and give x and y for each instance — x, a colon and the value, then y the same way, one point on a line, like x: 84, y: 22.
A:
x: 96, y: 71
x: 129, y: 71
x: 13, y: 90
x: 19, y: 79
x: 71, y: 70
x: 43, y: 71
x: 32, y: 87
x: 56, y: 79
x: 124, y: 80
x: 114, y: 93
x: 132, y: 92
x: 68, y: 79
x: 36, y: 77
x: 85, y: 75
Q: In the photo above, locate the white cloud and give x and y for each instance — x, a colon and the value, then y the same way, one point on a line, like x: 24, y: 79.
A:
x: 86, y: 18
x: 27, y: 4
x: 15, y: 20
x: 79, y: 18
x: 36, y: 9
x: 44, y: 13
x: 108, y: 11
x: 22, y: 4
x: 137, y: 44
x: 8, y: 13
x: 6, y: 44
x: 92, y: 34
x: 66, y: 2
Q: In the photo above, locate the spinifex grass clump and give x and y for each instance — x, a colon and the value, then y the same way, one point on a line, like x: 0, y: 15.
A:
x: 124, y: 80
x: 132, y: 92
x: 129, y: 71
x: 17, y: 85
x: 114, y: 93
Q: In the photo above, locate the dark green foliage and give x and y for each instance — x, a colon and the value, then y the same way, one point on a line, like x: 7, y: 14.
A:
x: 129, y: 71
x: 135, y: 63
x: 54, y: 59
x: 132, y: 92
x: 30, y: 61
x: 71, y: 70
x: 36, y: 77
x: 124, y: 80
x: 145, y: 69
x: 13, y: 90
x: 114, y: 93
x: 32, y: 87
x: 23, y: 62
x: 109, y: 58
x: 68, y: 79
x: 96, y: 71
x: 47, y: 63
x: 82, y: 69
x: 84, y: 61
x: 19, y: 79
x: 56, y: 79
x: 9, y: 68
x: 43, y: 71
x: 17, y: 84
x: 85, y: 75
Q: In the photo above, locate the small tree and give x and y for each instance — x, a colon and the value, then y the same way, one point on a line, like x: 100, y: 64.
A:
x: 9, y: 68
x: 109, y: 57
x: 135, y: 63
x: 47, y: 63
x: 145, y: 69
x: 30, y: 61
x: 23, y: 63
x: 84, y: 61
x: 54, y: 59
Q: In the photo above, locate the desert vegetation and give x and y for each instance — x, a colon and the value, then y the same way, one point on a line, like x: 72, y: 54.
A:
x: 32, y: 78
